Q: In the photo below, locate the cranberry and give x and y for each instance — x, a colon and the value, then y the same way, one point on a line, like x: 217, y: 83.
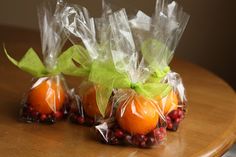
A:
x: 139, y: 140
x: 114, y: 141
x: 161, y: 136
x: 168, y: 118
x: 58, y: 115
x: 43, y: 117
x: 174, y: 114
x: 162, y: 129
x: 157, y: 132
x: 169, y: 125
x: 119, y: 133
x: 177, y: 120
x: 128, y: 139
x: 80, y: 120
x: 150, y: 141
x: 142, y: 144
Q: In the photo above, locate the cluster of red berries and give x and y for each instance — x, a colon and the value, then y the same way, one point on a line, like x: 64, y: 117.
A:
x: 174, y: 118
x: 116, y: 136
x: 29, y: 114
x: 81, y: 119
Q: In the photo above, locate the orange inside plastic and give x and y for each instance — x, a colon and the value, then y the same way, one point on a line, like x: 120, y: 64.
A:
x: 137, y: 115
x: 90, y: 104
x: 47, y: 97
x: 168, y: 103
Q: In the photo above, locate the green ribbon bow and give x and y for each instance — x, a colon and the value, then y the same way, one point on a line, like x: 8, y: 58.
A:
x: 106, y: 76
x: 32, y: 64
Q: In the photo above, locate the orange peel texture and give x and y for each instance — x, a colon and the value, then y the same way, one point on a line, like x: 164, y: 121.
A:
x: 47, y: 97
x: 90, y: 104
x: 137, y: 115
x: 168, y: 103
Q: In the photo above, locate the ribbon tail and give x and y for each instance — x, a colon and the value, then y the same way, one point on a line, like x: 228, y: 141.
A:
x: 30, y: 63
x: 15, y: 62
x: 66, y: 65
x: 103, y: 95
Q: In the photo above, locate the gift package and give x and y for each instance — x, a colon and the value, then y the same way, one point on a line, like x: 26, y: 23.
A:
x: 128, y: 94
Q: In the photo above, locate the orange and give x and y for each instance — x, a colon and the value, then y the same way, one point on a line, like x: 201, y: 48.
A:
x: 137, y: 115
x: 47, y: 97
x: 90, y: 104
x: 168, y: 103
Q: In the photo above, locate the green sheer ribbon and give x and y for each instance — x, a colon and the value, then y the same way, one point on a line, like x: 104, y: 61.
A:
x: 107, y: 78
x: 103, y: 74
x: 32, y: 64
x: 159, y: 74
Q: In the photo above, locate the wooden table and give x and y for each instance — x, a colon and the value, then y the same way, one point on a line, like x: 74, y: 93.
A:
x: 208, y: 130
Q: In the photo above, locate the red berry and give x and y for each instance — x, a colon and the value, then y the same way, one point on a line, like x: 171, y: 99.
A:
x: 178, y: 120
x: 150, y: 141
x: 169, y: 125
x: 143, y: 144
x: 128, y: 138
x: 162, y: 130
x: 114, y: 141
x: 157, y: 132
x: 168, y: 118
x: 161, y: 137
x: 180, y: 113
x: 43, y: 117
x: 80, y: 120
x: 58, y: 115
x: 119, y: 133
x: 174, y: 114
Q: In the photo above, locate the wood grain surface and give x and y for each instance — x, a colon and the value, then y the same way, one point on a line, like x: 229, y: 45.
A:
x: 208, y: 130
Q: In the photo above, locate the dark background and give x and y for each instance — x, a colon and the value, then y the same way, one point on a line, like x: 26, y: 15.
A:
x: 209, y: 39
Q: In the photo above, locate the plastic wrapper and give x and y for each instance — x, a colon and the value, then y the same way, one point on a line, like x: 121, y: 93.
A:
x: 137, y: 119
x: 117, y: 86
x: 158, y: 37
x: 49, y: 97
x: 129, y: 84
x: 93, y: 34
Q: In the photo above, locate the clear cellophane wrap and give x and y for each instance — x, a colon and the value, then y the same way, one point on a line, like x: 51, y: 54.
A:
x: 48, y: 98
x: 129, y: 92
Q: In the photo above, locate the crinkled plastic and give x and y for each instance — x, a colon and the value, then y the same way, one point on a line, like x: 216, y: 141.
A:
x: 47, y: 101
x: 136, y: 120
x: 49, y: 97
x: 158, y: 37
x: 128, y: 73
x: 93, y: 33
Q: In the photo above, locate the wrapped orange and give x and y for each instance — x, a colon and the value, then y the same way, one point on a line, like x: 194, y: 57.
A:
x: 48, y: 98
x: 137, y: 110
x: 87, y: 111
x: 168, y: 103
